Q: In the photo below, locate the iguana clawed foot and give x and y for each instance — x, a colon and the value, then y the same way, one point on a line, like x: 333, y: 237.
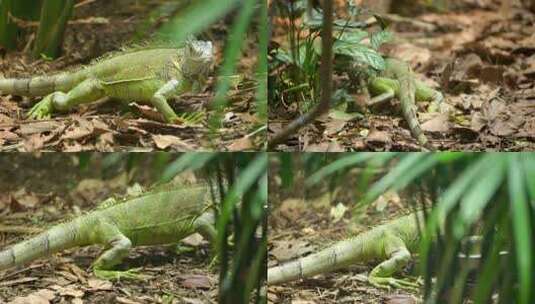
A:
x: 389, y: 282
x: 43, y: 109
x: 117, y: 275
x: 190, y: 119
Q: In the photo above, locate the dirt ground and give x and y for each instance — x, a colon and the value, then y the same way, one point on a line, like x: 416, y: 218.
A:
x: 481, y: 54
x: 97, y: 28
x: 34, y: 196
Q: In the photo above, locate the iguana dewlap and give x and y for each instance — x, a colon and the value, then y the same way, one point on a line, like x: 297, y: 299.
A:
x: 161, y: 216
x: 390, y: 243
x: 146, y: 75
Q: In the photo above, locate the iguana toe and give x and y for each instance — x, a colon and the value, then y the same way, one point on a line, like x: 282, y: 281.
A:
x: 389, y: 282
x: 117, y: 275
x: 189, y: 119
x: 41, y: 110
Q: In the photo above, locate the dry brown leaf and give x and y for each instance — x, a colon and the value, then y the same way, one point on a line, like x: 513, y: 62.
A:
x: 77, y: 301
x: 105, y: 142
x: 124, y: 300
x: 70, y: 290
x: 287, y: 250
x: 440, y: 124
x: 192, y: 301
x: 6, y: 120
x: 7, y: 135
x: 42, y: 296
x: 72, y: 146
x: 292, y: 208
x: 401, y: 299
x: 334, y: 126
x: 300, y: 301
x: 196, y: 281
x: 326, y: 146
x: 34, y: 143
x: 22, y: 200
x: 82, y: 128
x: 241, y: 144
x: 193, y: 240
x: 169, y: 141
x: 89, y: 190
x: 39, y: 127
x: 97, y: 284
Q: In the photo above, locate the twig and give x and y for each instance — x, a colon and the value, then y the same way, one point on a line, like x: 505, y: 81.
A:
x: 19, y: 229
x: 84, y: 3
x: 262, y: 128
x: 326, y: 70
x: 18, y: 281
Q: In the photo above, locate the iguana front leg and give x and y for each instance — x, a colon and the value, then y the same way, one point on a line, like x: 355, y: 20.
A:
x: 398, y: 257
x: 87, y: 91
x: 159, y: 100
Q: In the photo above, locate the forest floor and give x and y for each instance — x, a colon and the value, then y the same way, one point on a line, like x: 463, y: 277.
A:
x: 34, y: 196
x: 479, y: 55
x: 97, y: 28
x: 299, y: 227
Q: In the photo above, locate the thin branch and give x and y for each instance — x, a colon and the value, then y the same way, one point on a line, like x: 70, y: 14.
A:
x: 326, y: 70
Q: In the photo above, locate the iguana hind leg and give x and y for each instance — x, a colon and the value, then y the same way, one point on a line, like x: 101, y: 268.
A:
x: 398, y: 257
x: 383, y: 88
x: 85, y: 92
x: 204, y: 224
x: 118, y: 247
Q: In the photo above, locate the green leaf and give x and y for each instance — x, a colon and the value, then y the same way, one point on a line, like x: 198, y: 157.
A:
x: 360, y: 54
x: 379, y: 38
x: 54, y: 17
x: 478, y: 196
x: 246, y: 179
x: 455, y: 191
x: 262, y: 64
x: 353, y: 36
x: 410, y: 167
x: 195, y: 18
x: 344, y: 162
x: 521, y: 227
x: 449, y: 199
x: 233, y: 48
x: 188, y: 161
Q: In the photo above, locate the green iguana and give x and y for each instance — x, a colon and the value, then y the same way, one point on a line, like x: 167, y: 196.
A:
x: 390, y: 243
x: 145, y: 75
x: 398, y: 81
x: 164, y: 215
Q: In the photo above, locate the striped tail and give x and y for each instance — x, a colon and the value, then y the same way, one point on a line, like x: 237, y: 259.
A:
x: 409, y: 113
x: 41, y: 85
x: 58, y: 238
x: 329, y: 259
x: 407, y: 97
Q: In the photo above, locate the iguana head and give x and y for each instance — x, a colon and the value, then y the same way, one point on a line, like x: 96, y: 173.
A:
x: 198, y: 59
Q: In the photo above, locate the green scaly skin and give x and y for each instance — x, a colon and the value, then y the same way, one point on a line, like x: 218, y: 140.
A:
x: 391, y: 243
x: 399, y: 82
x: 161, y: 216
x: 146, y: 76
